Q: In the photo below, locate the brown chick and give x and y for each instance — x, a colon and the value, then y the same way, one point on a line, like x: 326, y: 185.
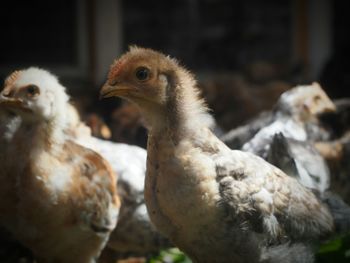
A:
x: 216, y: 204
x: 64, y: 195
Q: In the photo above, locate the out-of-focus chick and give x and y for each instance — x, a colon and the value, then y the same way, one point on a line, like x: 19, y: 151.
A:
x: 295, y: 117
x: 300, y: 160
x: 64, y: 197
x: 216, y: 204
x: 134, y: 235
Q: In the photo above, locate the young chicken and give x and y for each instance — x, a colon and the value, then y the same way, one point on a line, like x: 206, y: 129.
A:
x: 295, y: 117
x: 214, y: 203
x: 64, y: 196
x: 296, y: 114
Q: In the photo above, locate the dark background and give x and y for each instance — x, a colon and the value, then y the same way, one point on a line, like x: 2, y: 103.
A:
x: 206, y: 35
x: 244, y: 52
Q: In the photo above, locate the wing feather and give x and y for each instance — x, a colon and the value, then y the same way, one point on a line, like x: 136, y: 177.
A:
x: 97, y: 183
x: 254, y: 188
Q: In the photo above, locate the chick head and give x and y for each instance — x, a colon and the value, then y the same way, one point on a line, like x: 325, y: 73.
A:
x: 140, y: 75
x: 305, y: 101
x: 34, y: 94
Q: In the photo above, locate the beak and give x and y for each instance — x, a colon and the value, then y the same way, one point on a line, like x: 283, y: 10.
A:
x: 108, y: 91
x: 12, y: 103
x: 331, y: 108
x: 327, y: 107
x: 9, y: 102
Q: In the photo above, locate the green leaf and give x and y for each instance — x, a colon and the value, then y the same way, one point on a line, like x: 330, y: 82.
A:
x: 172, y: 255
x: 331, y: 246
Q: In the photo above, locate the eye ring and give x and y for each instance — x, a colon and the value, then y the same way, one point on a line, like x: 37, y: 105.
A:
x: 142, y: 73
x: 32, y: 90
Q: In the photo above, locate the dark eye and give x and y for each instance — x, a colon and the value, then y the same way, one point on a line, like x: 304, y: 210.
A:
x: 142, y: 73
x: 32, y: 90
x: 317, y: 98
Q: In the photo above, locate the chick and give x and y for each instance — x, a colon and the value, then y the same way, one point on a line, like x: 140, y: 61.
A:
x: 296, y: 118
x: 134, y: 235
x: 297, y: 114
x: 64, y: 195
x: 214, y: 203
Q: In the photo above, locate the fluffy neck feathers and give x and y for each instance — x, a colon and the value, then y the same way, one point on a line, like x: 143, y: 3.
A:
x: 184, y: 110
x: 44, y: 135
x: 8, y: 127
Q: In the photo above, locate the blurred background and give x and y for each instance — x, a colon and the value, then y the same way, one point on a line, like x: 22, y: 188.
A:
x: 245, y: 52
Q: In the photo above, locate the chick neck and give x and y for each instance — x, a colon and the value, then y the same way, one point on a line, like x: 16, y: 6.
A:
x: 8, y: 127
x: 181, y: 115
x: 42, y: 134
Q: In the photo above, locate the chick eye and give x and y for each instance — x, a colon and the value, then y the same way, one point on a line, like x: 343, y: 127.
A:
x: 317, y: 98
x: 32, y: 90
x: 142, y: 73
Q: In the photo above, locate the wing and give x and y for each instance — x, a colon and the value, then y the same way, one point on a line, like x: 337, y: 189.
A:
x: 259, y: 144
x: 268, y: 200
x: 280, y: 155
x: 95, y: 188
